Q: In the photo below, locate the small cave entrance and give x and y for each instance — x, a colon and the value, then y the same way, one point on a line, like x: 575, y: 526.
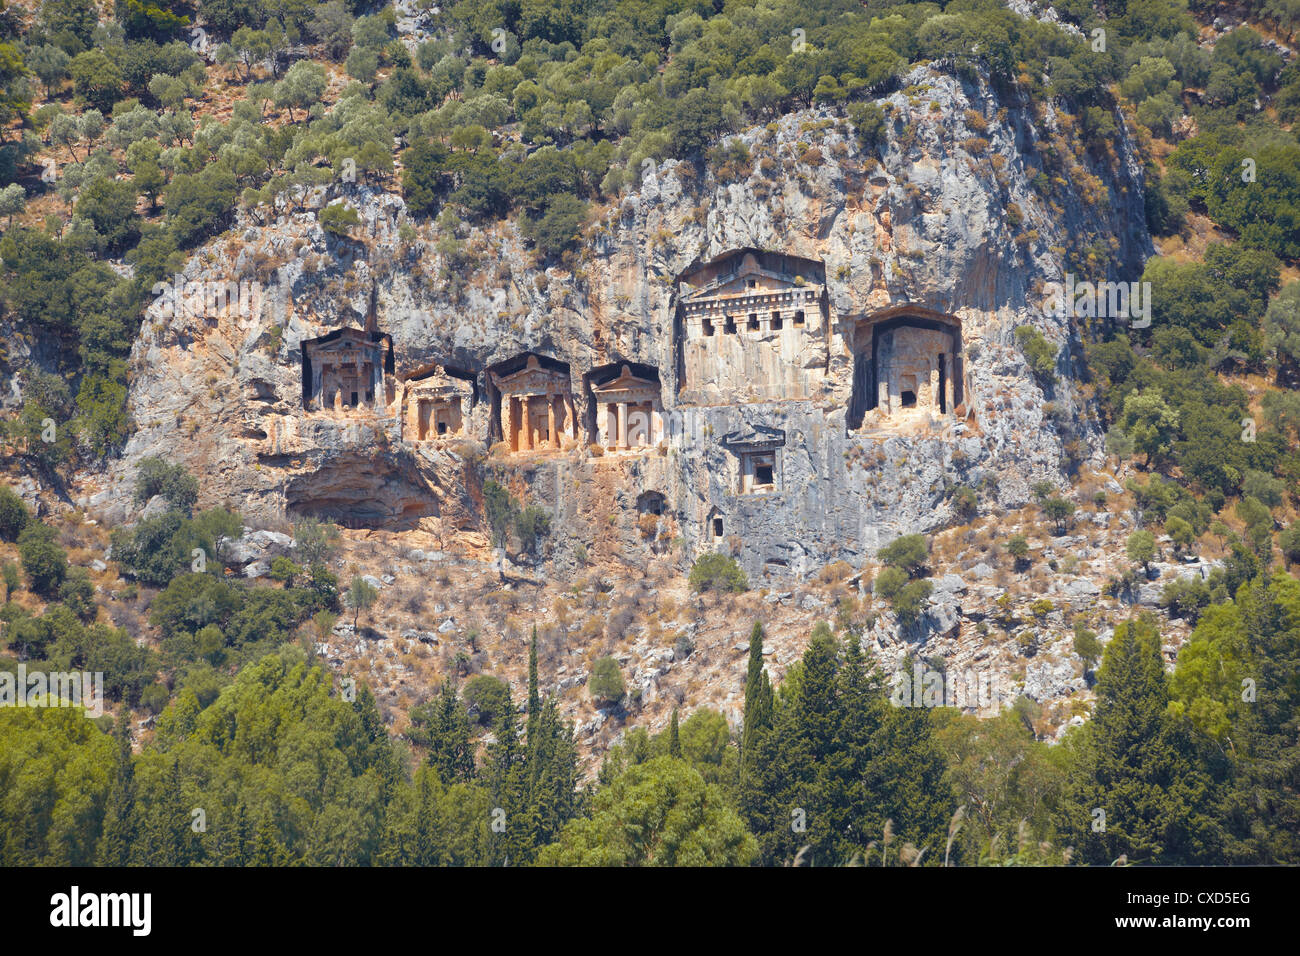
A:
x: 651, y: 503
x: 361, y: 491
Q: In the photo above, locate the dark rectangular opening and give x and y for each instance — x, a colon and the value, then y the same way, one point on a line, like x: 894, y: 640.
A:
x: 442, y: 428
x: 717, y: 527
x: 943, y: 385
x: 353, y: 403
x: 798, y: 319
x: 753, y: 321
x: 729, y: 326
x: 776, y: 322
x: 762, y: 474
x: 908, y: 398
x: 707, y: 326
x: 370, y: 396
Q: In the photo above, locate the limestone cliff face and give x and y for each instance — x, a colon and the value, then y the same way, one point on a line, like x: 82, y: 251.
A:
x: 959, y: 218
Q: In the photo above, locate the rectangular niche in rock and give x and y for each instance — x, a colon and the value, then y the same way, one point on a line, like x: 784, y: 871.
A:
x: 907, y: 368
x: 750, y: 326
x: 758, y: 453
x: 533, y: 403
x: 435, y: 401
x: 348, y: 368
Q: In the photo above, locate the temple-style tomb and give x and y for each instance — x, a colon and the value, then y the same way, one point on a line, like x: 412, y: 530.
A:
x: 628, y: 413
x: 536, y: 406
x: 906, y: 365
x: 346, y: 369
x: 434, y: 403
x: 751, y: 326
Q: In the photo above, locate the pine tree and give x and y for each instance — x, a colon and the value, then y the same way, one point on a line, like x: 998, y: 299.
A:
x: 451, y: 752
x: 674, y: 738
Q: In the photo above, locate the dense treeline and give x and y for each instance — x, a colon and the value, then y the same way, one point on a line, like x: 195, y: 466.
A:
x: 280, y: 769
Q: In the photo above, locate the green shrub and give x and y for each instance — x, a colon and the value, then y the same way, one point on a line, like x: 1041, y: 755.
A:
x: 44, y: 562
x: 1038, y: 352
x: 158, y: 477
x: 908, y: 553
x: 490, y: 695
x: 717, y: 572
x: 13, y: 514
x: 606, y: 680
x: 909, y: 602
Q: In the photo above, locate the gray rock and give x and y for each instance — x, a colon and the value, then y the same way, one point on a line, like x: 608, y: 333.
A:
x: 156, y: 508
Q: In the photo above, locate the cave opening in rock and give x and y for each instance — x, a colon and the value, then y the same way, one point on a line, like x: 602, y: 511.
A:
x: 651, y: 503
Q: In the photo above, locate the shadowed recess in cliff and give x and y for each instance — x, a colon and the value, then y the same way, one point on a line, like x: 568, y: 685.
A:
x: 359, y: 490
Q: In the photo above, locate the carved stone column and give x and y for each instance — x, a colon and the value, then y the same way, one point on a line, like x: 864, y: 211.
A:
x: 622, y: 426
x: 553, y: 437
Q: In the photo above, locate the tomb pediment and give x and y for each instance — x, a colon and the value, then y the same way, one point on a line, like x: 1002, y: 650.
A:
x: 747, y: 275
x: 754, y: 438
x: 626, y: 388
x: 348, y: 340
x: 532, y: 379
x: 436, y: 383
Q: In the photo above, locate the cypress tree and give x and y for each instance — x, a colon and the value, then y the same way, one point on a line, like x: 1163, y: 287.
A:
x: 236, y: 840
x: 552, y: 776
x: 534, y: 696
x: 120, y: 815
x: 425, y: 851
x: 267, y: 849
x: 758, y: 698
x: 674, y: 739
x: 511, y: 846
x: 379, y: 747
x: 1131, y: 765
